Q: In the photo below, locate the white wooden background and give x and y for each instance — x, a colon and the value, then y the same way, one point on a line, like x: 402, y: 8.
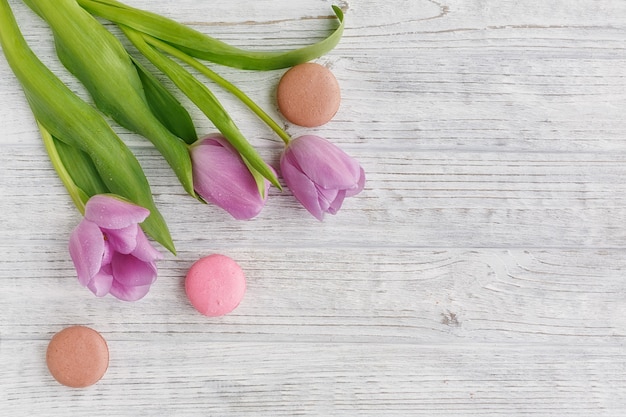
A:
x: 480, y: 273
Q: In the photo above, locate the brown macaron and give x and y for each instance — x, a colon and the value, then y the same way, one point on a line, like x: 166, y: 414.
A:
x: 77, y: 356
x: 308, y: 95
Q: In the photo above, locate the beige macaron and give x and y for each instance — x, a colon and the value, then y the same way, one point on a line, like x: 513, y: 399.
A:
x: 308, y: 95
x: 77, y: 356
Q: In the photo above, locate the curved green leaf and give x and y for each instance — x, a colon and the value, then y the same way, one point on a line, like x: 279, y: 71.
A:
x: 102, y: 64
x: 166, y: 107
x: 81, y: 168
x: 66, y: 117
x: 205, y: 100
x: 206, y: 47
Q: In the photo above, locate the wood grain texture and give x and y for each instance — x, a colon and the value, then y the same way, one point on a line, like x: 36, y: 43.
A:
x: 480, y: 273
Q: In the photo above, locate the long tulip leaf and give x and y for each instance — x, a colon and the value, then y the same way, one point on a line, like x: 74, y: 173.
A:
x: 83, y: 171
x: 205, y: 100
x: 202, y: 46
x: 78, y: 194
x: 69, y: 119
x: 222, y: 82
x: 102, y: 64
x: 166, y: 107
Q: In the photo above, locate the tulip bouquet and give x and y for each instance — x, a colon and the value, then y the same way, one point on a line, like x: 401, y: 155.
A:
x: 110, y: 251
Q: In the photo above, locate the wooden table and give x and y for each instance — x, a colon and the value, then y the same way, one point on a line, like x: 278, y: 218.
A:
x: 480, y: 273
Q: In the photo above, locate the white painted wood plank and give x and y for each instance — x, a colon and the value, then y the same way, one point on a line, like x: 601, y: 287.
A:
x: 293, y: 379
x: 344, y: 295
x: 420, y: 199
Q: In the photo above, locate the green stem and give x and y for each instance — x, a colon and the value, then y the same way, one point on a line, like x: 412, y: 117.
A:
x: 78, y: 197
x: 219, y: 80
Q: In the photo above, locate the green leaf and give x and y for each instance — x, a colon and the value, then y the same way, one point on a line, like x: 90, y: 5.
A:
x: 206, y: 47
x: 69, y: 119
x: 55, y: 148
x: 222, y: 82
x: 258, y: 178
x: 100, y: 61
x: 81, y: 168
x: 166, y: 107
x: 206, y: 102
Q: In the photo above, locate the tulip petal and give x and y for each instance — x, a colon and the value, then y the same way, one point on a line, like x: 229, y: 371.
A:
x: 331, y: 200
x: 112, y: 213
x: 326, y: 197
x: 335, y: 205
x: 217, y: 139
x: 129, y: 293
x: 108, y: 253
x: 86, y: 250
x: 122, y: 240
x: 300, y: 185
x: 358, y: 187
x: 144, y: 250
x: 100, y: 284
x: 129, y: 271
x: 324, y: 163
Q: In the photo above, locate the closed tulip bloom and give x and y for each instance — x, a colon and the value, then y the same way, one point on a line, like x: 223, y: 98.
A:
x: 110, y: 252
x: 221, y: 177
x: 320, y: 175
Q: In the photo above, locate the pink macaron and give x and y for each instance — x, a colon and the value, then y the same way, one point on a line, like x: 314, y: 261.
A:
x: 215, y: 285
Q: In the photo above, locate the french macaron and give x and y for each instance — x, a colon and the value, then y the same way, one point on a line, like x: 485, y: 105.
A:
x: 308, y: 95
x: 215, y: 285
x: 77, y: 356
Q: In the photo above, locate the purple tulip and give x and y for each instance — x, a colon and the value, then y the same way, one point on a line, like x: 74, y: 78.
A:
x: 221, y: 177
x: 320, y: 175
x: 110, y: 252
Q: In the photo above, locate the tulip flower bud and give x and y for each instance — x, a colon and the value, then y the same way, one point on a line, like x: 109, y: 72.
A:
x: 320, y: 175
x: 110, y: 252
x: 222, y: 178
